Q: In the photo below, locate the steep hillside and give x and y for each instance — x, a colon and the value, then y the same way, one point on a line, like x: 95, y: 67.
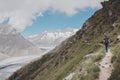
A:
x: 79, y: 55
x: 116, y: 61
x: 13, y: 44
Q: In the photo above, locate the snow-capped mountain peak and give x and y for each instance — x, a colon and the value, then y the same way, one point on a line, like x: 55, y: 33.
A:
x: 51, y: 38
x: 6, y: 29
x: 13, y: 43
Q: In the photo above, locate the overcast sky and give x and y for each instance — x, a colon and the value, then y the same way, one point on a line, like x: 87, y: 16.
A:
x: 23, y: 13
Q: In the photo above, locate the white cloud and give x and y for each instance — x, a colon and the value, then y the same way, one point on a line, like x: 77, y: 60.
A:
x: 21, y: 13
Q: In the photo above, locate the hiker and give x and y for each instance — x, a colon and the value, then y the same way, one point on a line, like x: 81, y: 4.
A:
x: 106, y: 43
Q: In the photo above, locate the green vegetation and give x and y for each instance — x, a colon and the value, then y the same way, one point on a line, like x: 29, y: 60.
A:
x: 116, y: 62
x: 67, y: 66
x: 88, y: 68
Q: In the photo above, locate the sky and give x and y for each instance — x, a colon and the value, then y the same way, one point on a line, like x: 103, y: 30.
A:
x: 55, y: 21
x: 30, y: 17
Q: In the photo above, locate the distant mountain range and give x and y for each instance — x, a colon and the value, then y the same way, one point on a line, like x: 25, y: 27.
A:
x: 13, y: 44
x: 50, y: 39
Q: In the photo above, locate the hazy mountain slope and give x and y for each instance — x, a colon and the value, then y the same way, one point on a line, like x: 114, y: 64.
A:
x: 3, y: 56
x: 80, y: 53
x: 51, y: 38
x: 13, y: 44
x: 15, y: 51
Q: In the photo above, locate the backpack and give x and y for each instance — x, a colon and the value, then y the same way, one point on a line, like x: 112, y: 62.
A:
x: 106, y: 41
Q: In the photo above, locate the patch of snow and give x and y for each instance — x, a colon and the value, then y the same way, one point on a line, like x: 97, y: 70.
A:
x: 32, y: 36
x: 69, y: 77
x: 51, y: 38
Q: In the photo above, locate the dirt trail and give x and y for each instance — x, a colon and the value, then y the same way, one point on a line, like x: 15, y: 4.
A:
x: 106, y: 67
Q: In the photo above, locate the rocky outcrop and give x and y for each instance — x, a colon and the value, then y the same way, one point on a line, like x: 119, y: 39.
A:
x: 112, y: 7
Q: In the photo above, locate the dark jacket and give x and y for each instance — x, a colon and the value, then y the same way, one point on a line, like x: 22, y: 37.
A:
x: 106, y: 40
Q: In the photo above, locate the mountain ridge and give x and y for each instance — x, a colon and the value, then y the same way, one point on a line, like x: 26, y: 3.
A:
x: 51, y: 38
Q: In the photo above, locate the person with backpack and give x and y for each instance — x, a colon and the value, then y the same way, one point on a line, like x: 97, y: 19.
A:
x: 106, y: 43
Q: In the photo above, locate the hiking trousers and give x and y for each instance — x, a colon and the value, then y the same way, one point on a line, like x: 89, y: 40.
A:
x: 106, y: 47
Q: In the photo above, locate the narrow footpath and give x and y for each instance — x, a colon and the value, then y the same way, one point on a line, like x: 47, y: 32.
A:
x: 106, y: 67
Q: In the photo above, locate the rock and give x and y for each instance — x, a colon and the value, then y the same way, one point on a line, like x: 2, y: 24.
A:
x: 69, y: 77
x: 118, y: 38
x: 106, y: 63
x: 110, y: 12
x: 110, y: 7
x: 114, y: 25
x: 103, y: 66
x: 56, y: 64
x: 88, y: 56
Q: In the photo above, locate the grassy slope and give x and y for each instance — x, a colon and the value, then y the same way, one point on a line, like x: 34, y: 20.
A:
x: 88, y: 68
x: 116, y: 62
x: 74, y: 49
